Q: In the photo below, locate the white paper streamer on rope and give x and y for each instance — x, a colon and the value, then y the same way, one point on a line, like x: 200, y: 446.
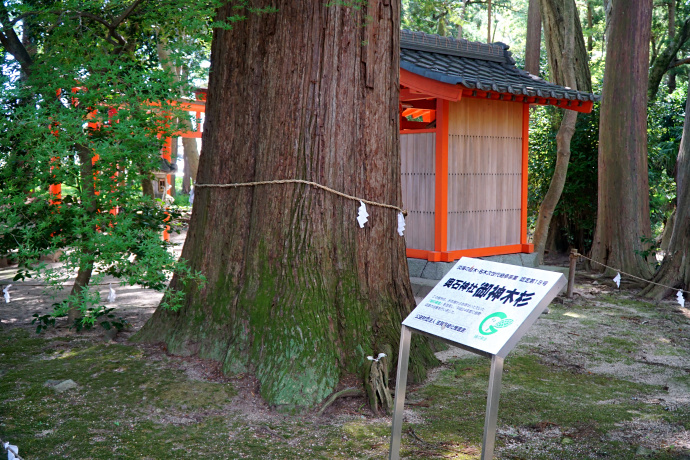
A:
x: 169, y: 199
x: 617, y: 280
x: 362, y: 215
x: 681, y: 299
x: 12, y: 451
x: 381, y: 355
x: 401, y: 224
x: 112, y: 295
x: 6, y: 293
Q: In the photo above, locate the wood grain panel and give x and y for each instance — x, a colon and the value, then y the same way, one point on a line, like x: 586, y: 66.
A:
x: 484, y: 167
x: 418, y: 167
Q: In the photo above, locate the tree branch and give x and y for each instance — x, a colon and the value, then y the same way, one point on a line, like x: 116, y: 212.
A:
x: 12, y: 44
x: 127, y: 12
x: 678, y: 63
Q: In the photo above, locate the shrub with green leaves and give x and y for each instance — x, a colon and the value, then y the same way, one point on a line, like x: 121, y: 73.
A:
x: 89, y: 109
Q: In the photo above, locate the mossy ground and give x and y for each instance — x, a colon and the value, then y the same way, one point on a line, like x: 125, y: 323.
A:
x: 603, y: 376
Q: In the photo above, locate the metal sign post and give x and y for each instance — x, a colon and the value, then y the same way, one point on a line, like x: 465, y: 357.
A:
x: 483, y: 307
x: 400, y: 388
x: 489, y: 439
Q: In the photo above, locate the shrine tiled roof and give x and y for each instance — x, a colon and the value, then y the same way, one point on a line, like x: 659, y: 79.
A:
x: 474, y: 65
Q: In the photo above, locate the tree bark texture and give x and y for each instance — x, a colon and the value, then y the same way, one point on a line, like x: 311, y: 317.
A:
x: 554, y: 16
x: 297, y: 293
x: 623, y: 205
x: 560, y: 37
x: 675, y: 268
x: 533, y: 42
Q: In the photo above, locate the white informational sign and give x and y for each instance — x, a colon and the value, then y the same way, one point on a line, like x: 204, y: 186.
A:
x: 485, y: 306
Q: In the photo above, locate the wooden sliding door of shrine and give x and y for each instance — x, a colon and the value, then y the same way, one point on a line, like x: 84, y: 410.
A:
x: 484, y: 173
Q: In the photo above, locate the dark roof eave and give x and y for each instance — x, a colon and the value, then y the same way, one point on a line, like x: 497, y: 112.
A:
x: 570, y: 96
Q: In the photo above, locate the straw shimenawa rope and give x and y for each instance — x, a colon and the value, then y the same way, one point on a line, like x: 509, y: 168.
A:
x: 633, y: 276
x: 306, y: 182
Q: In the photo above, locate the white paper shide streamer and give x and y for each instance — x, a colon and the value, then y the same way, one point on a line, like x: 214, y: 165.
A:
x: 681, y: 299
x: 381, y: 355
x: 401, y: 224
x: 617, y: 280
x: 362, y: 215
x: 111, y: 295
x: 169, y: 199
x: 12, y: 451
x: 6, y: 293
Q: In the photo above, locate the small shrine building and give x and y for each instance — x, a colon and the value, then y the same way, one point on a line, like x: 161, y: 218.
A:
x: 464, y: 145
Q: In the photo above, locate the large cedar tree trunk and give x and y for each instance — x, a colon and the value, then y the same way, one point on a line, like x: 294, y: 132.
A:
x: 675, y: 268
x: 296, y: 292
x: 623, y: 208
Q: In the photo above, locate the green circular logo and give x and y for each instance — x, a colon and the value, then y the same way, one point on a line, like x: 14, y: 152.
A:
x: 492, y: 323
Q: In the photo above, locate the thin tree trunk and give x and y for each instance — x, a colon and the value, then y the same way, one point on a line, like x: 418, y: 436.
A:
x: 81, y: 282
x: 186, y: 180
x: 533, y: 42
x: 173, y: 159
x: 559, y: 26
x: 191, y: 152
x: 488, y: 22
x: 623, y: 208
x: 89, y: 198
x: 668, y: 230
x: 553, y: 16
x: 297, y: 293
x: 553, y: 195
x: 147, y: 187
x: 462, y: 17
x: 590, y: 26
x: 190, y: 148
x: 671, y: 36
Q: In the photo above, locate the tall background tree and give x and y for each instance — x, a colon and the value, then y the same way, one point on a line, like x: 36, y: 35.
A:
x: 623, y: 212
x: 675, y: 268
x: 297, y: 293
x: 568, y: 66
x: 533, y: 39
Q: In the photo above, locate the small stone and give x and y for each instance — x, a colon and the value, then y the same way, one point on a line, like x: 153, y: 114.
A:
x: 642, y: 451
x: 111, y: 333
x: 45, y: 433
x: 61, y: 386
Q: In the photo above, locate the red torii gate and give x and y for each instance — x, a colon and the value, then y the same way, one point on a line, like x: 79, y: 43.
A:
x: 197, y: 106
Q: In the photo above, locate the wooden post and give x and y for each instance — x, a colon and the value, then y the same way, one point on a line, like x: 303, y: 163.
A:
x: 571, y: 273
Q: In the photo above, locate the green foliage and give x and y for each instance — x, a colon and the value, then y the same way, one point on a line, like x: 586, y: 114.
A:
x: 107, y: 321
x: 664, y: 129
x: 579, y: 197
x: 444, y: 17
x: 91, y: 113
